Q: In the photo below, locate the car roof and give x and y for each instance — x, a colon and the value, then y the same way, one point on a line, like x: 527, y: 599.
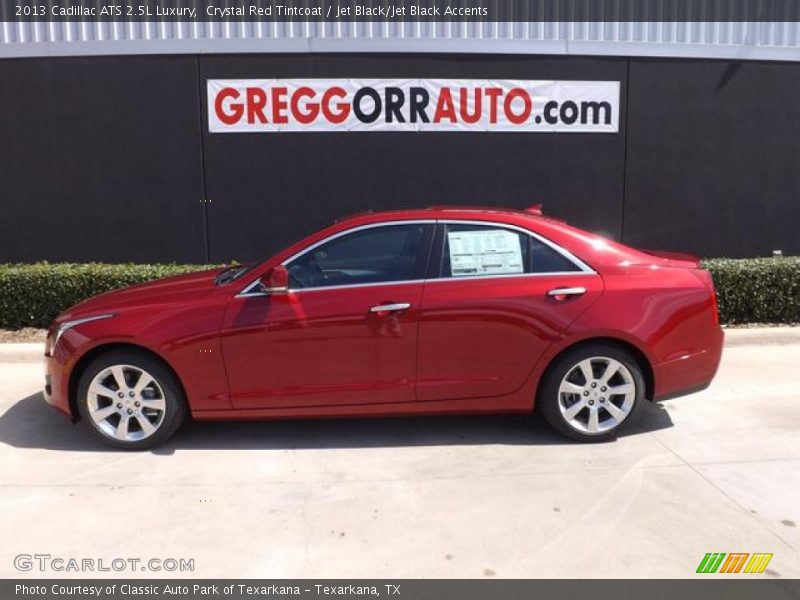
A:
x: 442, y: 211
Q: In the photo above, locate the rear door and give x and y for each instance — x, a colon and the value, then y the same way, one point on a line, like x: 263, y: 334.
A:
x: 491, y: 307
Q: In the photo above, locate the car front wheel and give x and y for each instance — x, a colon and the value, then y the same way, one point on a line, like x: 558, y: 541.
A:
x: 592, y: 392
x: 131, y: 400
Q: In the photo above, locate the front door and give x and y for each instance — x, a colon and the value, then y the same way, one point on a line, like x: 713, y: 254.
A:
x: 346, y: 331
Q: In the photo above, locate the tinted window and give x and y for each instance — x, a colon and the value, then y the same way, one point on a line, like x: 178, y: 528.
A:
x: 376, y: 255
x: 484, y: 250
x: 546, y: 260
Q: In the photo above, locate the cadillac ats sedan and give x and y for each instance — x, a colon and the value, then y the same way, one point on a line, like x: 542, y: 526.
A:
x: 444, y: 310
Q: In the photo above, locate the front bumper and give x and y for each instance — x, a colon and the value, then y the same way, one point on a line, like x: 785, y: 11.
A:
x: 56, y: 385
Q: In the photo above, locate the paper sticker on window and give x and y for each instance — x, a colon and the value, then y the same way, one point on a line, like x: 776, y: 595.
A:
x: 489, y: 252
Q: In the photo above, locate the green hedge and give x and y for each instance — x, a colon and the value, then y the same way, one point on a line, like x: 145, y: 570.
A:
x: 31, y: 295
x: 759, y: 290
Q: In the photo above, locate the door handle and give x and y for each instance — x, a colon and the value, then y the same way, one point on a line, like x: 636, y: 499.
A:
x: 387, y: 308
x: 564, y: 293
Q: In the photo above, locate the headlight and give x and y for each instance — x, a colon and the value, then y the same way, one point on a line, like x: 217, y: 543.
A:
x: 67, y: 325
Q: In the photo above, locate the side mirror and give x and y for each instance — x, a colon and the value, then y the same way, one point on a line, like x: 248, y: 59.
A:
x: 276, y: 281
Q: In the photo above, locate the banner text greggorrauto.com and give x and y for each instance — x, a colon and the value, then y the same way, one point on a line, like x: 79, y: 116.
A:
x: 337, y: 105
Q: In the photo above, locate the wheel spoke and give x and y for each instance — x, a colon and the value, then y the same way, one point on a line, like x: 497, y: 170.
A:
x: 101, y: 414
x: 147, y: 426
x: 143, y: 382
x: 573, y: 410
x: 568, y: 387
x: 119, y: 377
x: 154, y: 403
x: 586, y: 368
x: 615, y: 411
x: 594, y: 420
x: 621, y: 390
x: 611, y: 368
x: 122, y: 429
x: 98, y: 389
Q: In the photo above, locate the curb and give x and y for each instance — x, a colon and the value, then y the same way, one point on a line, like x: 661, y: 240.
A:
x: 762, y: 336
x: 15, y: 352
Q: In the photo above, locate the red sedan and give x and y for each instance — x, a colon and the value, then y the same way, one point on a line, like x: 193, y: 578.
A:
x: 434, y: 311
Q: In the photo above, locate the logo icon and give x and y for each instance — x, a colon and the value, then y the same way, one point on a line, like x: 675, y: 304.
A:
x: 735, y: 562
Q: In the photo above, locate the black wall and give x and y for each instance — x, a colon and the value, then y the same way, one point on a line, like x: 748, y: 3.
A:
x: 713, y: 157
x: 109, y: 159
x: 100, y: 159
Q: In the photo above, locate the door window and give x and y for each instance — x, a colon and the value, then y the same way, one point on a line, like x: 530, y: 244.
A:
x: 485, y: 250
x: 374, y: 255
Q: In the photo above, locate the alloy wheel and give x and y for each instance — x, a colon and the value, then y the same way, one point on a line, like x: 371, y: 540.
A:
x: 596, y: 395
x: 126, y: 403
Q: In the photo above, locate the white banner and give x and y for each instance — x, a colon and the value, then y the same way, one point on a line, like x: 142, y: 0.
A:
x: 479, y: 105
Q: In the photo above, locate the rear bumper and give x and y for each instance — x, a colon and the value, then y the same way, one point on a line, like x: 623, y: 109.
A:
x: 689, y: 373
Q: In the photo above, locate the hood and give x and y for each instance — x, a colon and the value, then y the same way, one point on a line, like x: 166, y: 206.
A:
x: 179, y: 288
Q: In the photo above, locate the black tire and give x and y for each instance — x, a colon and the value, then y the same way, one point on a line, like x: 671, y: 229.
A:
x: 549, y: 402
x: 166, y: 388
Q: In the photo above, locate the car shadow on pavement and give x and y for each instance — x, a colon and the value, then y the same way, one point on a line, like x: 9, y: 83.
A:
x: 30, y: 423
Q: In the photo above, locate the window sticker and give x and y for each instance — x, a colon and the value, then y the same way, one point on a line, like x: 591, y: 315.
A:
x: 490, y: 252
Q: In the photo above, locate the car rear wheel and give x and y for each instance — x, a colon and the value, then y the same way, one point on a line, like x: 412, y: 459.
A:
x: 591, y: 393
x: 131, y: 400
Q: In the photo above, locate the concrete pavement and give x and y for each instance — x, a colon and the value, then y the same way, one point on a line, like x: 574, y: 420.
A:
x: 717, y: 471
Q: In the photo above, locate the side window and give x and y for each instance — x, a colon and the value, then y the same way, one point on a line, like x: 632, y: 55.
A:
x: 471, y: 250
x: 546, y: 260
x: 476, y: 250
x: 375, y: 255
